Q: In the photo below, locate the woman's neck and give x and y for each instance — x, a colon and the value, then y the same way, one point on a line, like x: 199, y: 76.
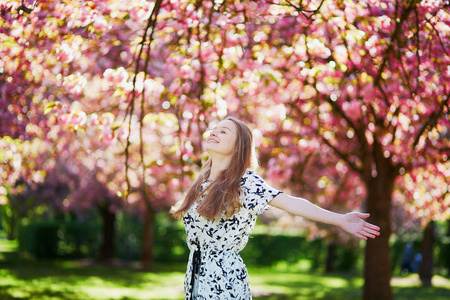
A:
x: 217, y: 166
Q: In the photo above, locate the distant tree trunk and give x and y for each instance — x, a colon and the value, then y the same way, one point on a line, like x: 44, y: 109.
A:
x: 426, y: 266
x: 11, y: 228
x: 380, y: 186
x: 331, y: 257
x: 148, y: 237
x: 9, y: 218
x: 108, y: 232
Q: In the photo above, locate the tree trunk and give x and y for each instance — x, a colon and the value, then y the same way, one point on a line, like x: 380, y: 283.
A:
x: 377, y: 272
x: 148, y: 237
x: 11, y: 229
x: 9, y: 219
x: 108, y: 233
x: 426, y: 267
x: 331, y: 257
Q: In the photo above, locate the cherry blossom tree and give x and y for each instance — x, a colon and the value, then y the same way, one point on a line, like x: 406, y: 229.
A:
x: 372, y: 86
x: 63, y: 81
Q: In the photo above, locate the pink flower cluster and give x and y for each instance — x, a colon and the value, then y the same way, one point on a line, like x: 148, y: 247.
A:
x: 75, y: 83
x: 116, y: 76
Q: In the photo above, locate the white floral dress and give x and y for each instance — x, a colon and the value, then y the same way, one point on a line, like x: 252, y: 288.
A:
x: 219, y: 272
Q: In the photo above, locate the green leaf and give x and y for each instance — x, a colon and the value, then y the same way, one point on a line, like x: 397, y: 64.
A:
x: 7, y: 139
x: 49, y: 107
x: 115, y: 126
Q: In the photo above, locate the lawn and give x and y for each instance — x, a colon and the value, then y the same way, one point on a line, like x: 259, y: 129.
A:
x: 83, y: 280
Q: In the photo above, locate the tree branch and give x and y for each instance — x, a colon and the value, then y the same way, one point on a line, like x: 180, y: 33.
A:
x: 300, y: 8
x: 153, y: 18
x: 395, y: 35
x: 343, y: 156
x: 439, y: 37
x: 432, y: 120
x: 394, y: 114
x: 417, y: 48
x: 26, y: 9
x: 130, y: 108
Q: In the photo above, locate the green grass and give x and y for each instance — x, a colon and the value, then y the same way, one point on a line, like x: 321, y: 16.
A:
x: 81, y: 280
x: 276, y: 283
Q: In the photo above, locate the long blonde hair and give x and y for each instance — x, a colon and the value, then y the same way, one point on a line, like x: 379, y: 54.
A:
x: 223, y: 192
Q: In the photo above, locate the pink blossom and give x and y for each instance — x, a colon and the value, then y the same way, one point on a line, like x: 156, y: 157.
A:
x: 223, y: 22
x: 73, y: 119
x: 255, y: 8
x: 237, y: 19
x: 107, y: 135
x: 340, y: 54
x: 75, y: 83
x: 138, y: 14
x: 93, y: 120
x: 65, y: 53
x: 107, y: 120
x: 308, y: 146
x: 116, y: 76
x: 352, y: 109
x: 122, y: 132
x: 186, y: 72
x: 101, y: 24
x: 153, y: 88
x: 239, y: 6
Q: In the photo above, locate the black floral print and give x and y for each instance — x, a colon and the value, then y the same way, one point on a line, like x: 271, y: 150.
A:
x: 215, y: 245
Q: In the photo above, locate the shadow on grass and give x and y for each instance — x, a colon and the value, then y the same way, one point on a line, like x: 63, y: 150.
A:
x: 408, y: 293
x: 81, y: 280
x: 273, y: 284
x: 22, y: 278
x: 300, y: 291
x: 269, y: 283
x: 11, y: 292
x: 36, y: 280
x: 72, y: 271
x: 319, y: 292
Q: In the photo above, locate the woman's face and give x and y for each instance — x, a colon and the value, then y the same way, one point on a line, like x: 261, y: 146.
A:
x: 222, y: 139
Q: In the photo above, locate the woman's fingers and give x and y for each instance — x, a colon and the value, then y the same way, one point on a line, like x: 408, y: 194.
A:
x: 372, y: 236
x: 360, y: 236
x: 371, y: 226
x: 366, y: 224
x: 363, y: 215
x: 371, y: 231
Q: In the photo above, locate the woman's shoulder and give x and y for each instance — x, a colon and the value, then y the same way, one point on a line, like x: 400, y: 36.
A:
x: 249, y: 173
x: 250, y: 176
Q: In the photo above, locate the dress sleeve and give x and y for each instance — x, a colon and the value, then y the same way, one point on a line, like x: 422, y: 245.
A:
x: 257, y: 192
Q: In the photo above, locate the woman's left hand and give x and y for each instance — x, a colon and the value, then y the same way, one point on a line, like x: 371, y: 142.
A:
x: 352, y: 223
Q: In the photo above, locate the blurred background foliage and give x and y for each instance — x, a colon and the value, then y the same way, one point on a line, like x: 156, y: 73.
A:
x: 70, y: 239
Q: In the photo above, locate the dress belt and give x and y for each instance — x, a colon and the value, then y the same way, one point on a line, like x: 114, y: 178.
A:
x: 196, y: 260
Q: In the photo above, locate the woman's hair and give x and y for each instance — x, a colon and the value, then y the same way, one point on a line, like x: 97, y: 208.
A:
x: 223, y: 192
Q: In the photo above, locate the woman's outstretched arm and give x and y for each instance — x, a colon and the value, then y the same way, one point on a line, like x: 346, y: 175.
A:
x: 350, y: 222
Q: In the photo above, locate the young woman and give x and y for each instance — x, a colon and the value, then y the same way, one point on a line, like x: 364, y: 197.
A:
x: 220, y: 210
